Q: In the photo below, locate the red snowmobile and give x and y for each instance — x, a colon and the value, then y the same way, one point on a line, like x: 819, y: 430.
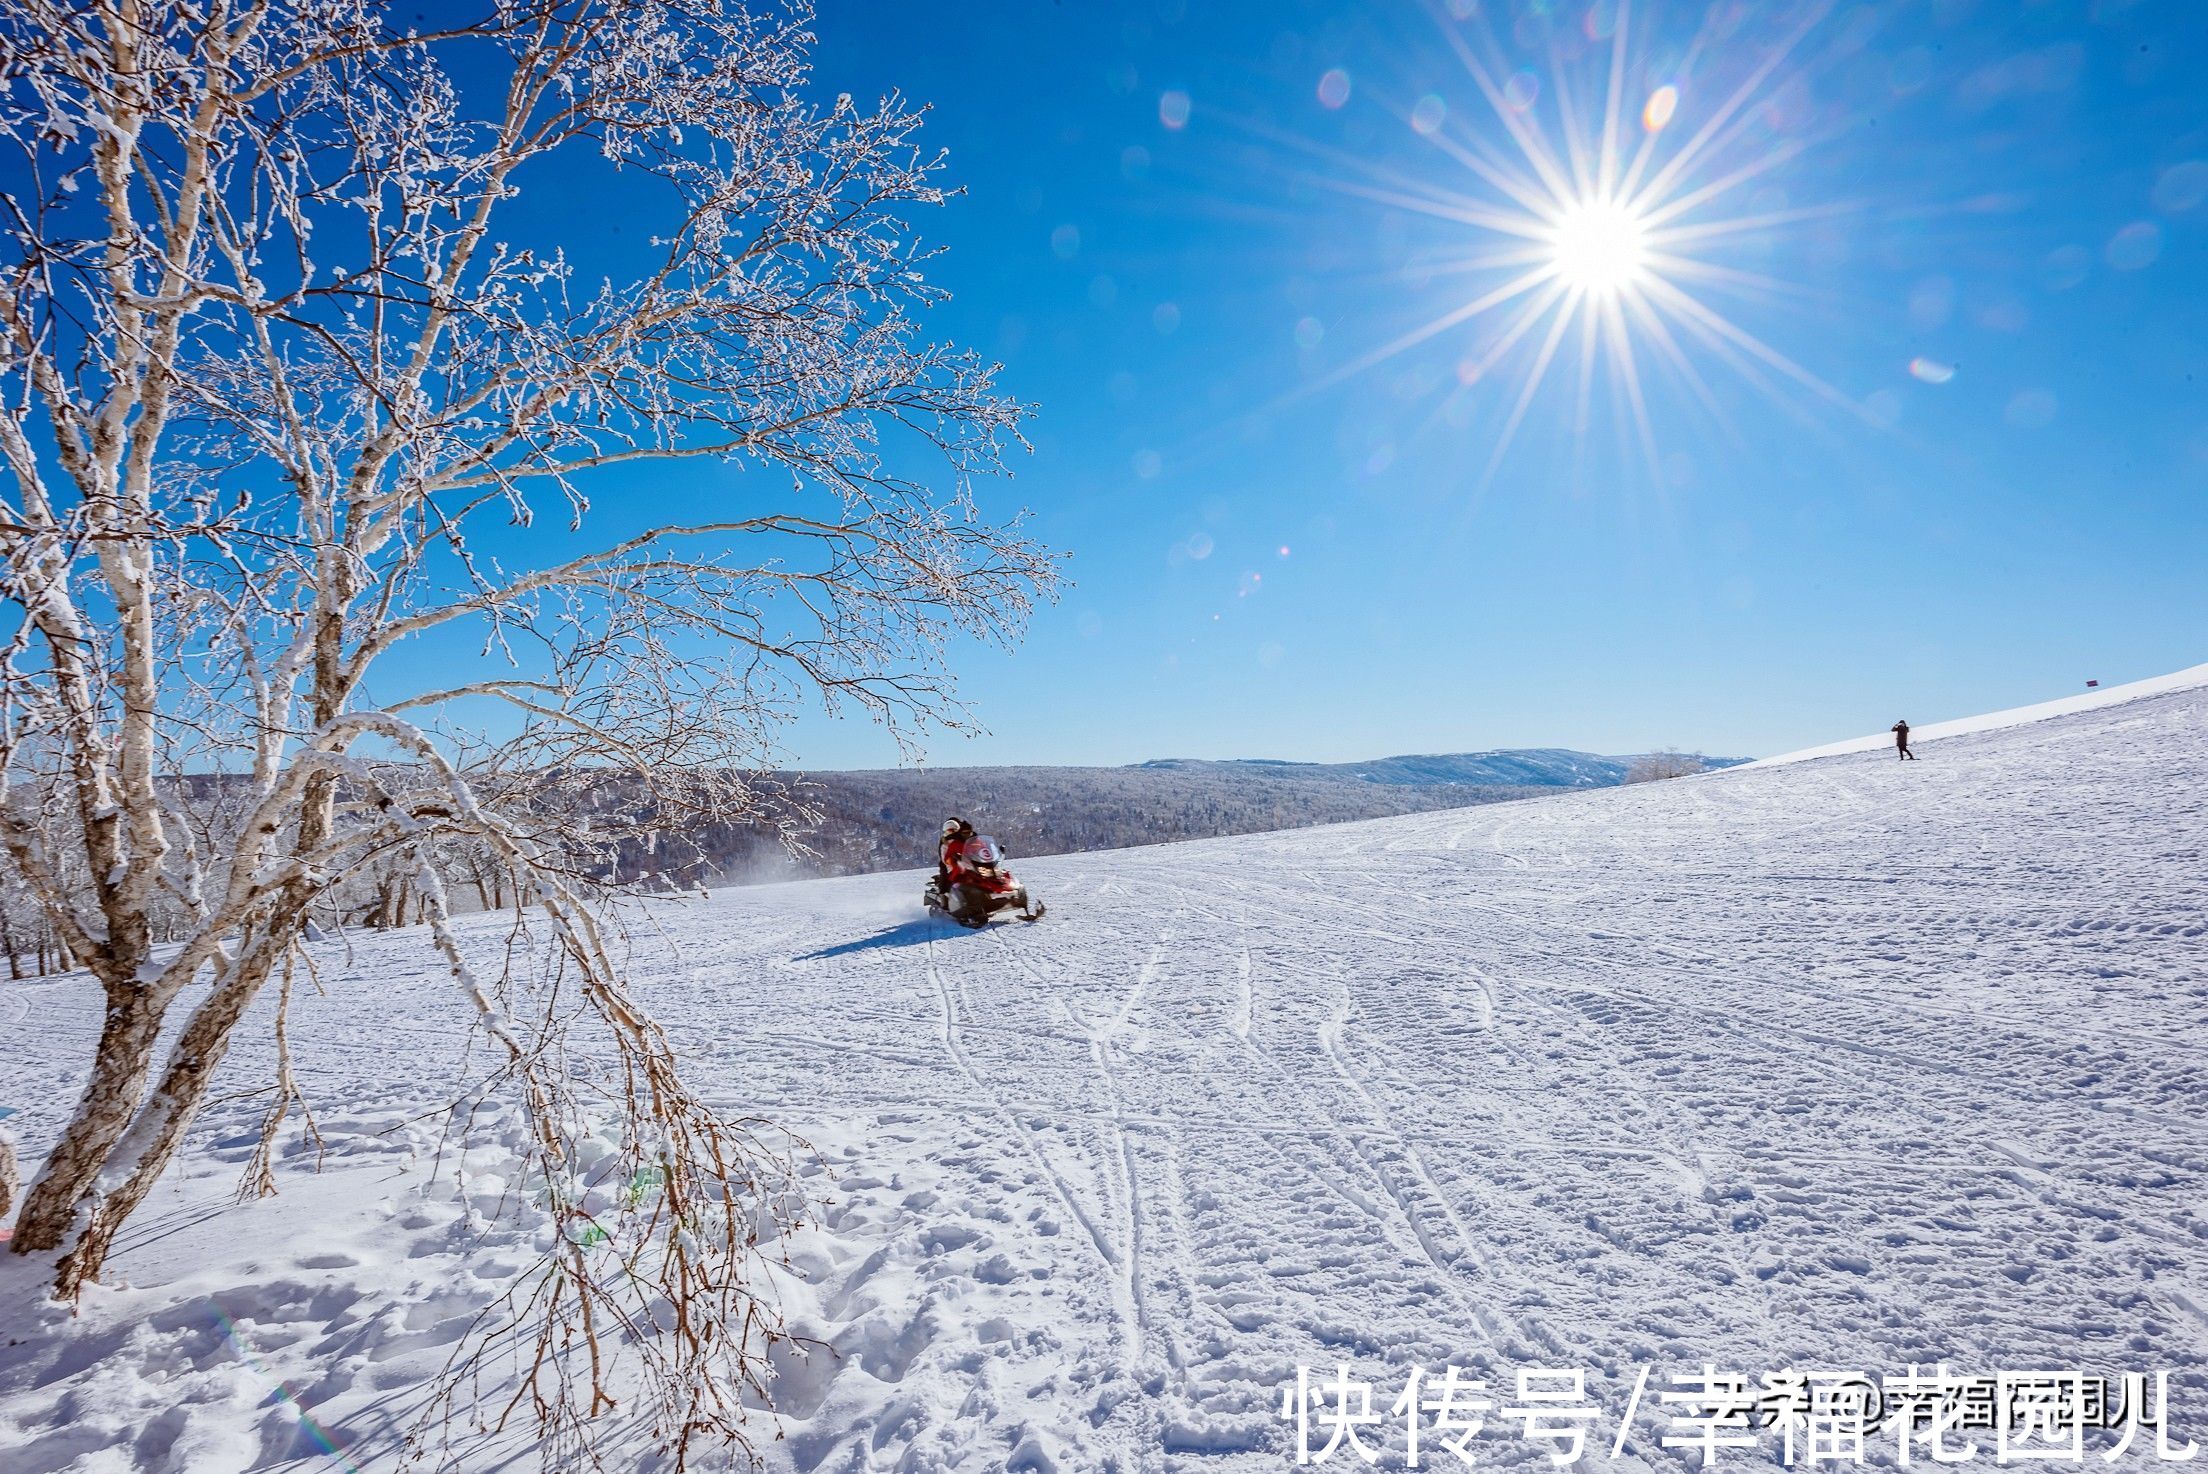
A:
x: 972, y: 884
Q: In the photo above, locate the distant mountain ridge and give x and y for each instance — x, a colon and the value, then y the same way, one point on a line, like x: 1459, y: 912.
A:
x: 888, y: 818
x: 1521, y: 767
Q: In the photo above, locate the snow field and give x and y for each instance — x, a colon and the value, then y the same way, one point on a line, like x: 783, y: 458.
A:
x: 1837, y: 1063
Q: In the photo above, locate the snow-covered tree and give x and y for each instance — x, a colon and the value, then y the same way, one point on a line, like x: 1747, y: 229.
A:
x: 1668, y: 762
x: 316, y: 336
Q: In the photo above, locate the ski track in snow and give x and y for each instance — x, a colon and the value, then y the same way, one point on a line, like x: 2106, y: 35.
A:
x: 1838, y: 1062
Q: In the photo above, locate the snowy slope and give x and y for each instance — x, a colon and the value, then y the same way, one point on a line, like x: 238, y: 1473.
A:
x: 2084, y: 701
x: 1844, y: 1063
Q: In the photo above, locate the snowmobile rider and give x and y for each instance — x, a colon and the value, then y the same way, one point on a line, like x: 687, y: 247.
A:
x: 971, y: 883
x: 952, y: 846
x: 1901, y: 741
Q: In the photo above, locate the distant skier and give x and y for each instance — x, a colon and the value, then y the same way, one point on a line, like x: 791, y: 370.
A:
x: 1901, y: 741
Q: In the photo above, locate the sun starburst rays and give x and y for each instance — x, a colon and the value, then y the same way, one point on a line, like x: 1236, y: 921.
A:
x: 1592, y: 230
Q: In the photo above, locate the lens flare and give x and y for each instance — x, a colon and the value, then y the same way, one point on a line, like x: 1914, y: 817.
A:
x: 1931, y: 370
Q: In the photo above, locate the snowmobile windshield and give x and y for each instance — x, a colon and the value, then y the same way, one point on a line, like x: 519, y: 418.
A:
x: 984, y: 851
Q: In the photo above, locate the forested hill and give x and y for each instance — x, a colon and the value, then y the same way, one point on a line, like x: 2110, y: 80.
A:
x: 1542, y: 767
x: 887, y: 819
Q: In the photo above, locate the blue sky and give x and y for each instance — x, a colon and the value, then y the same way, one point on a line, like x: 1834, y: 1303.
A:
x: 1184, y: 223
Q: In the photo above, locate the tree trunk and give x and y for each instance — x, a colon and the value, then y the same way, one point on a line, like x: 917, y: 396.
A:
x: 120, y: 1069
x: 158, y: 1128
x: 9, y: 1181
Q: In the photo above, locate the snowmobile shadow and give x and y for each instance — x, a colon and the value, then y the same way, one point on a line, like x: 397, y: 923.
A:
x: 903, y: 934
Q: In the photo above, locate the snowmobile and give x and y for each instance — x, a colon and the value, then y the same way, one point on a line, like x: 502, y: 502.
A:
x: 978, y: 886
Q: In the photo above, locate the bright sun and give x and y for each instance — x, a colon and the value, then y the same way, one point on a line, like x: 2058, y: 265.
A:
x: 1599, y: 247
x: 1594, y: 232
